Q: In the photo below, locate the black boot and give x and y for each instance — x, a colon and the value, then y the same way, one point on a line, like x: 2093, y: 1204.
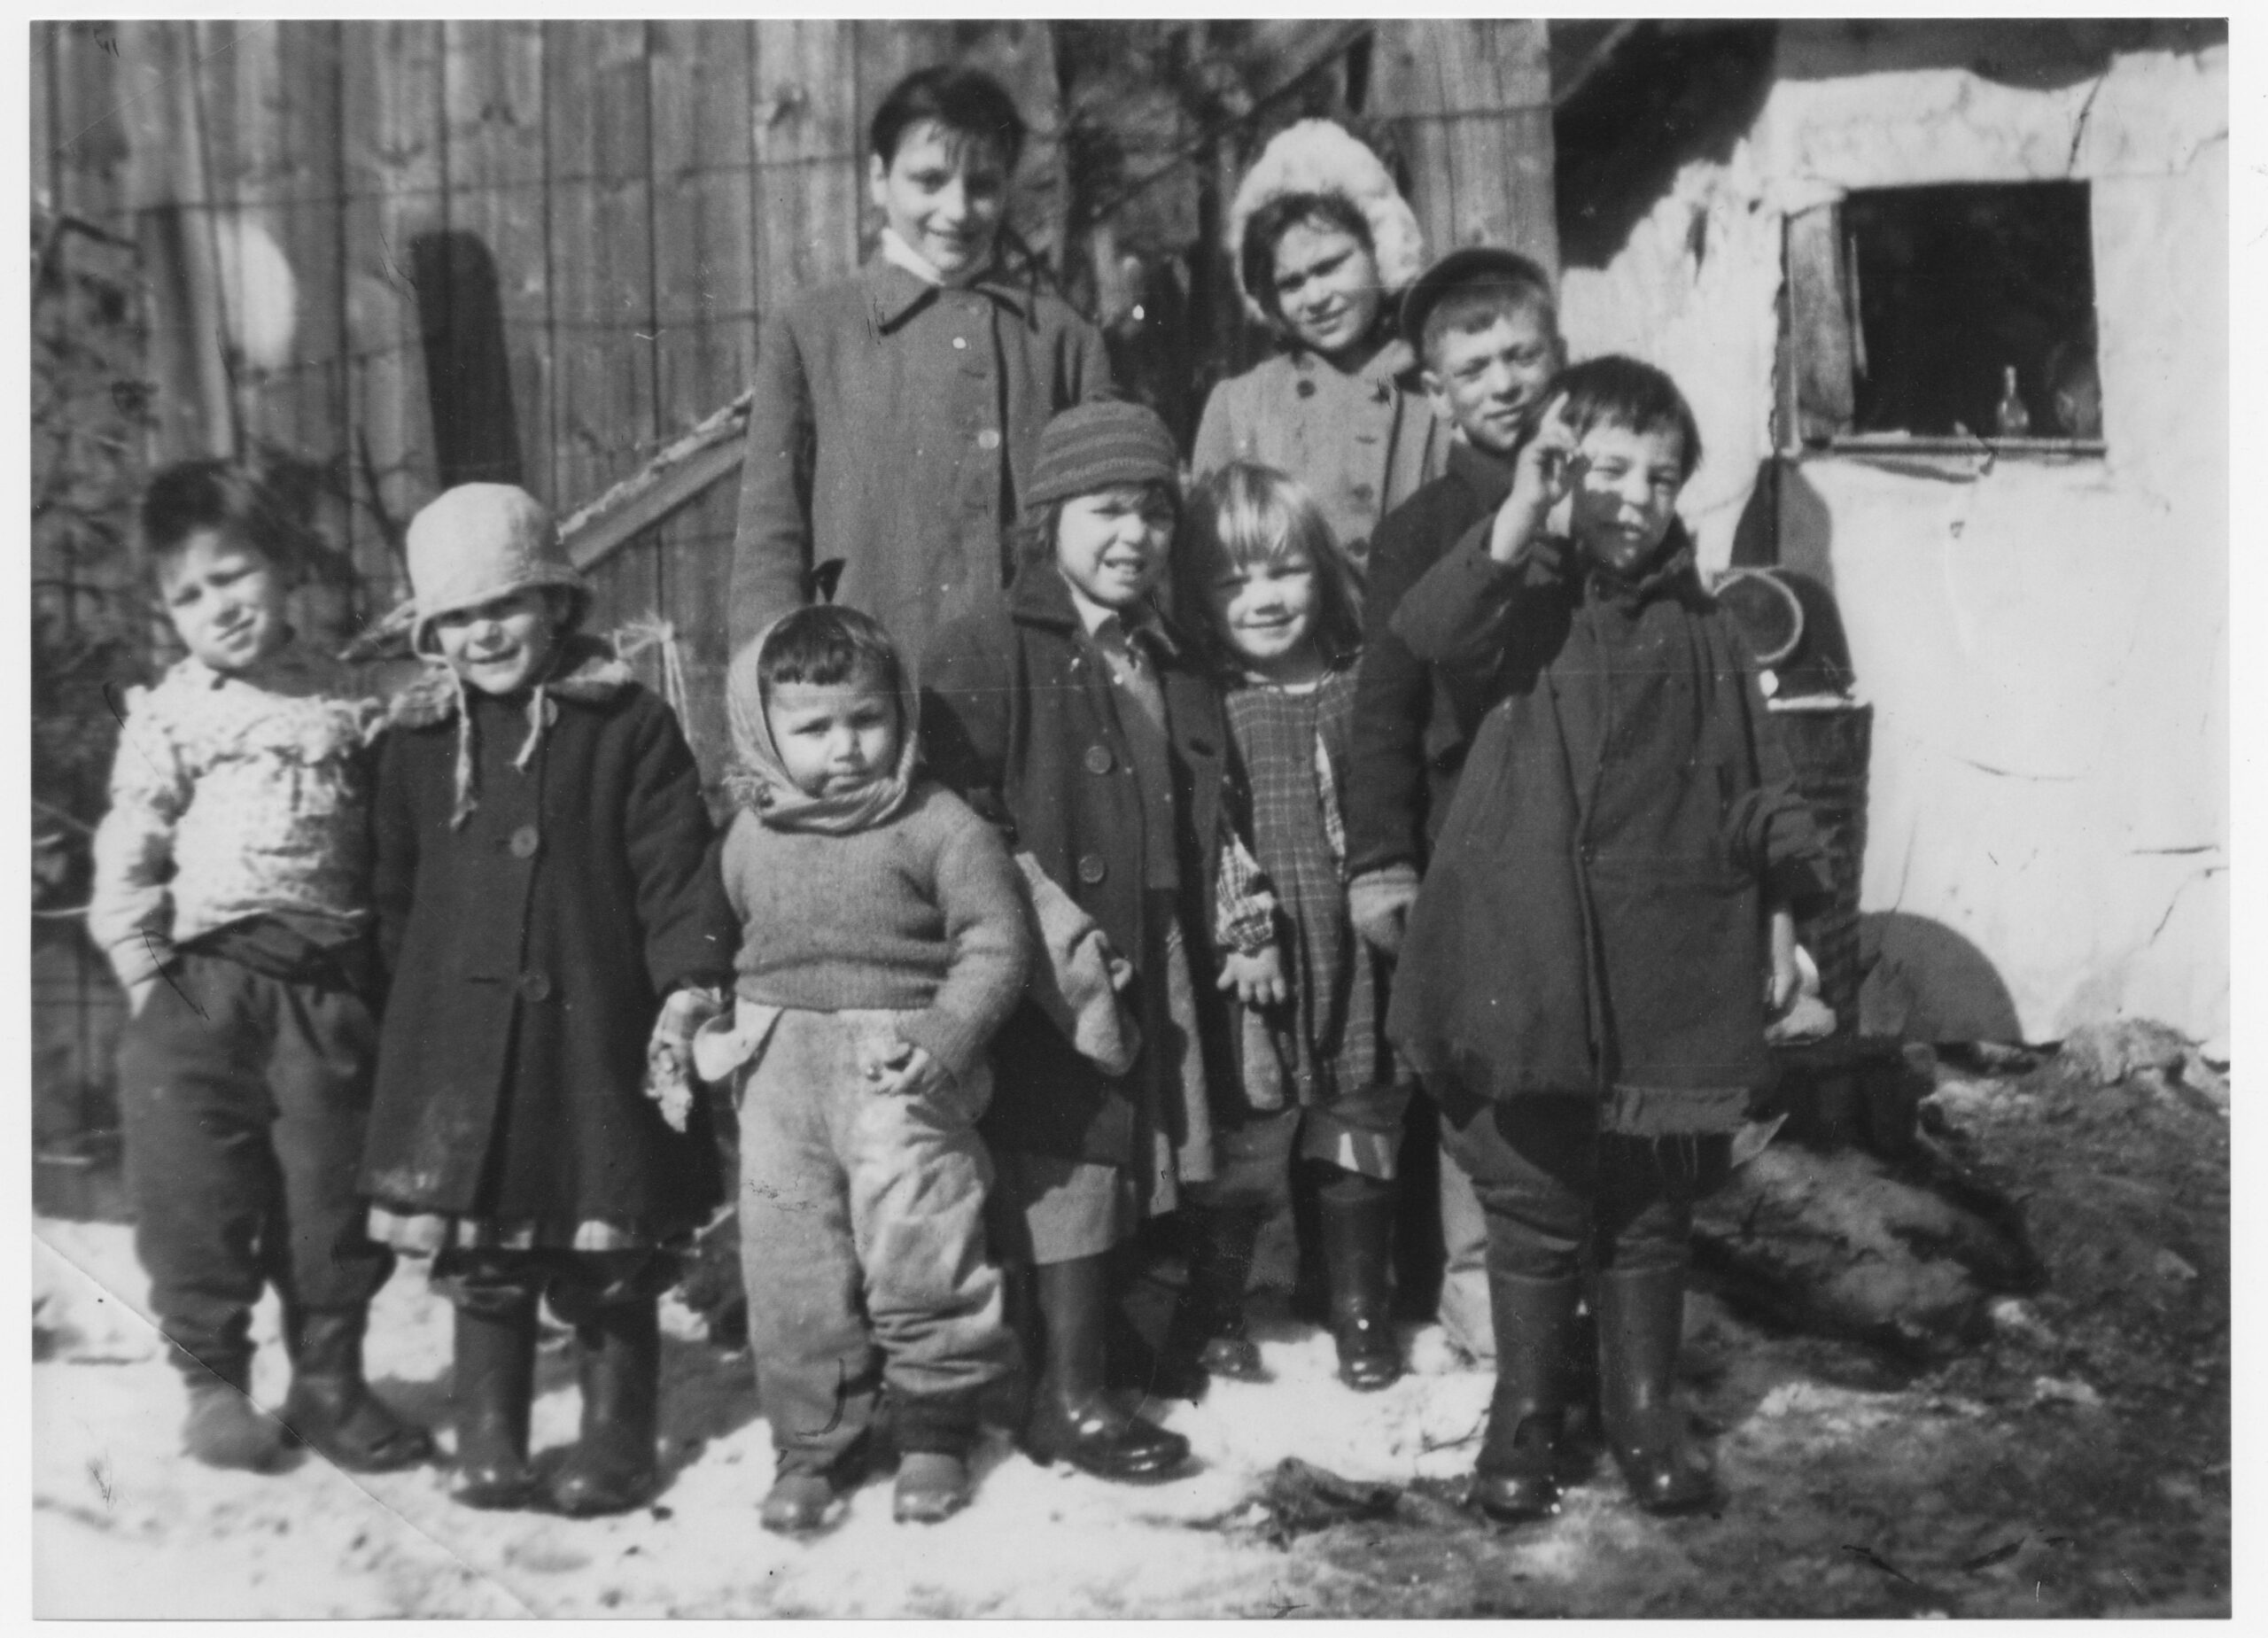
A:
x: 330, y: 1409
x: 1640, y: 1314
x: 1516, y: 1476
x: 495, y: 1382
x: 1357, y: 1243
x: 1208, y: 1337
x: 612, y: 1469
x: 224, y: 1428
x: 1072, y: 1417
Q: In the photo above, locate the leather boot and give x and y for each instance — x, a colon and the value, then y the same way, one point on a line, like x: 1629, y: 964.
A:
x: 937, y: 1433
x: 1208, y: 1337
x: 1517, y: 1475
x: 1641, y: 1314
x: 1072, y: 1415
x: 494, y: 1384
x: 1357, y: 1236
x: 618, y: 1360
x: 223, y: 1427
x: 330, y: 1409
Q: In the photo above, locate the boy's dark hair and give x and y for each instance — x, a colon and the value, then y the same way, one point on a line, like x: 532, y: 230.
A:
x: 1619, y: 392
x: 826, y: 644
x: 240, y: 498
x: 966, y: 100
x: 1031, y: 538
x: 1256, y: 256
x: 1245, y: 512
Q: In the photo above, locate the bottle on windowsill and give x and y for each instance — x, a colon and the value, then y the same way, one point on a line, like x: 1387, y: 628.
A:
x: 2012, y: 419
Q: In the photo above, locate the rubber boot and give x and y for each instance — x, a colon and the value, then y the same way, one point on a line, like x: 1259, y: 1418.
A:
x: 1357, y: 1235
x: 1208, y: 1337
x: 1641, y: 1314
x: 223, y: 1427
x: 494, y: 1383
x: 937, y: 1433
x: 1517, y: 1475
x: 330, y: 1409
x: 618, y: 1363
x: 1072, y: 1414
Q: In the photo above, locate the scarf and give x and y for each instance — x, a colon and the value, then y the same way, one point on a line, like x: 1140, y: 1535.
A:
x: 581, y: 667
x: 758, y: 780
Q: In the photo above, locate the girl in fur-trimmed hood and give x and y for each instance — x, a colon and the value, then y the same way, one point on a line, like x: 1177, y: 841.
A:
x: 1324, y: 244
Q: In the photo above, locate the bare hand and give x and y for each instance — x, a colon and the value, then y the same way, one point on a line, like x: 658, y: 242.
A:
x: 909, y: 1073
x: 137, y: 994
x: 1786, y: 981
x: 1543, y: 474
x: 1257, y: 979
x: 1378, y: 902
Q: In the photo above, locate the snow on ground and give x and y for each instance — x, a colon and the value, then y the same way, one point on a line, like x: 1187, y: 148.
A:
x: 125, y: 1526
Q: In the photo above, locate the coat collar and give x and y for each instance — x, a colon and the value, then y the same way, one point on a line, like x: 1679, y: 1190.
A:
x: 586, y: 671
x: 895, y: 295
x: 1042, y: 597
x: 1393, y: 367
x: 1674, y: 575
x: 1488, y: 477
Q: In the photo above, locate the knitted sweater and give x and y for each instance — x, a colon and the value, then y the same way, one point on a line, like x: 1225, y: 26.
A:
x: 922, y: 912
x: 233, y: 795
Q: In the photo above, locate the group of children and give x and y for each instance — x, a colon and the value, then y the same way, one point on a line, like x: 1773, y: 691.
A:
x: 999, y: 955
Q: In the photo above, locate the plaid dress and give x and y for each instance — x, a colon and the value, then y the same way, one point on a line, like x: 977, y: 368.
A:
x: 1295, y: 747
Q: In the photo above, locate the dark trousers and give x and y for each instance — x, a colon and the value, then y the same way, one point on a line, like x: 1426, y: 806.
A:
x: 578, y: 1284
x: 1553, y: 1186
x: 244, y: 1098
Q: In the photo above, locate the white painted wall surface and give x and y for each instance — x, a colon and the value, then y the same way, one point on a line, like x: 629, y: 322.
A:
x: 2046, y: 645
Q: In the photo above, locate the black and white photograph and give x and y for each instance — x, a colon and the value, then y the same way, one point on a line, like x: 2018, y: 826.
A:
x: 1109, y: 819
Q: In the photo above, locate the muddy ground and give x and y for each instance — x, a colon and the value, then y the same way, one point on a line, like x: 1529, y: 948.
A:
x: 2074, y: 1462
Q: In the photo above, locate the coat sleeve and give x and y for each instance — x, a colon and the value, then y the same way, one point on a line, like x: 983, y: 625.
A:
x: 393, y: 847
x: 1385, y: 784
x: 1773, y: 832
x: 1216, y: 433
x: 772, y: 546
x: 1455, y: 617
x: 690, y: 932
x: 129, y: 917
x: 965, y: 706
x: 981, y: 896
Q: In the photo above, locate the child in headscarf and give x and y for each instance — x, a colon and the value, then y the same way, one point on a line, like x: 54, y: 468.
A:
x: 885, y: 942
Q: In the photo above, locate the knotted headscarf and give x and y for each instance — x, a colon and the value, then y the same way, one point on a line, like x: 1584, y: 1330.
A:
x: 760, y: 779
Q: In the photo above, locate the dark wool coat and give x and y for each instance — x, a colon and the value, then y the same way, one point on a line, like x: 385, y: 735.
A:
x: 1020, y: 716
x: 530, y: 952
x: 1413, y: 722
x: 893, y: 426
x: 1594, y: 917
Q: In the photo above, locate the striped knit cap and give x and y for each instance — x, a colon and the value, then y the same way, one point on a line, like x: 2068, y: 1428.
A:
x: 1099, y: 444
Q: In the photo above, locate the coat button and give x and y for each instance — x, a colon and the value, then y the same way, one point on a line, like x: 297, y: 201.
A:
x: 1361, y: 491
x: 989, y: 439
x: 524, y: 841
x: 1091, y: 869
x: 960, y: 344
x: 1306, y: 389
x: 535, y: 986
x: 1097, y: 759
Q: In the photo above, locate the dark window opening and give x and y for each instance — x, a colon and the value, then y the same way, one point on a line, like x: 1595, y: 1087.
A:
x: 1959, y: 312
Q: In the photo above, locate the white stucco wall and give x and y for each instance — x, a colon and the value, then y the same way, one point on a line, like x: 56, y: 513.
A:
x: 2046, y: 645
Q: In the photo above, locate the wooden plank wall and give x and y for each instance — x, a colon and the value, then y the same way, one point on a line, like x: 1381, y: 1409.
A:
x: 564, y: 232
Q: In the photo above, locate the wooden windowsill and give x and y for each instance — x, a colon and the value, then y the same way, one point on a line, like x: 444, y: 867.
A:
x: 2002, y: 448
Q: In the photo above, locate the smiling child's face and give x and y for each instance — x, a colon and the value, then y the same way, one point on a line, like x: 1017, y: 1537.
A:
x: 834, y: 738
x: 945, y: 194
x: 1624, y: 493
x: 1268, y: 607
x: 1111, y: 544
x: 501, y: 646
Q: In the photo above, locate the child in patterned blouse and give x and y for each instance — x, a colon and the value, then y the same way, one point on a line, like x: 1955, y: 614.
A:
x: 229, y: 895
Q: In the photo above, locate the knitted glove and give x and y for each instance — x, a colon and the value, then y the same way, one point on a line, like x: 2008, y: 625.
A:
x: 1378, y: 903
x: 669, y: 1051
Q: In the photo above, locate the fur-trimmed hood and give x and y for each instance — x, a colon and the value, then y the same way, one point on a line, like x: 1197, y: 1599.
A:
x: 1319, y: 156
